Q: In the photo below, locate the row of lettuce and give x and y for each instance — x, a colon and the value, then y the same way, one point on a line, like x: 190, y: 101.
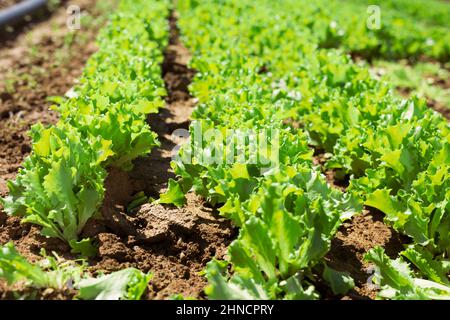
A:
x: 379, y: 29
x: 61, y: 185
x: 262, y: 70
x: 69, y: 278
x: 263, y: 77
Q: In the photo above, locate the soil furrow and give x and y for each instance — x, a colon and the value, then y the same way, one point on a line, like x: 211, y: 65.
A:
x: 354, y: 239
x: 173, y: 243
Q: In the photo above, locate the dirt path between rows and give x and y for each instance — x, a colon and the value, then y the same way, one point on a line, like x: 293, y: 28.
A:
x: 45, y: 62
x: 42, y: 62
x: 353, y: 240
x: 8, y: 3
x: 174, y: 244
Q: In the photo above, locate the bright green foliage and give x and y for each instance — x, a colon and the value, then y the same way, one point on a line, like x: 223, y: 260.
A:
x: 85, y: 247
x: 435, y: 269
x: 411, y: 182
x: 126, y: 284
x: 276, y: 67
x: 49, y: 274
x: 271, y: 66
x: 173, y: 195
x: 399, y: 282
x: 340, y: 282
x: 236, y: 288
x: 349, y: 24
x: 286, y: 229
x: 286, y: 212
x: 61, y: 184
x: 430, y: 12
x: 230, y: 170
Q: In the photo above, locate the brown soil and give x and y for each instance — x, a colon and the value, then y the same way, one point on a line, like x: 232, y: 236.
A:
x: 332, y: 177
x: 439, y: 107
x: 353, y: 240
x: 37, y: 65
x: 21, y: 292
x: 174, y: 244
x: 8, y: 3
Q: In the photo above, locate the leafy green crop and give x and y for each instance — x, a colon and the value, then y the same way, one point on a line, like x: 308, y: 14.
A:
x: 15, y: 268
x: 273, y: 80
x: 398, y: 281
x: 286, y: 212
x: 285, y: 229
x: 126, y: 284
x: 347, y: 25
x: 340, y: 282
x: 61, y: 185
x: 272, y: 66
x: 431, y: 12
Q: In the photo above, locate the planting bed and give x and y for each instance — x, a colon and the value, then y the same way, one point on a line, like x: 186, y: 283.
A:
x: 174, y: 243
x: 44, y: 62
x: 357, y: 205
